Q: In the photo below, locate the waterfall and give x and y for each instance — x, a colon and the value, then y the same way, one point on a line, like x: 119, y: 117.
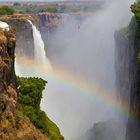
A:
x: 39, y: 47
x: 87, y: 52
x: 78, y: 95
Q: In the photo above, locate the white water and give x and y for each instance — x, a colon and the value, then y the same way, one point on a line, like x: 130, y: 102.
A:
x: 4, y: 26
x: 39, y: 51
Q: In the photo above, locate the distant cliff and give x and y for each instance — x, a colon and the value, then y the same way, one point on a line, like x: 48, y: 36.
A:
x: 45, y: 22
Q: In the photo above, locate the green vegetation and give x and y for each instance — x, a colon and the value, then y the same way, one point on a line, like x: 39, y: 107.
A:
x: 136, y: 10
x: 31, y: 91
x: 55, y: 7
x: 34, y: 8
x: 6, y: 10
x: 30, y: 94
x: 135, y: 28
x: 52, y: 8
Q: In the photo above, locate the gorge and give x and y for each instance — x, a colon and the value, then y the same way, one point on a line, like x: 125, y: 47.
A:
x: 91, y: 63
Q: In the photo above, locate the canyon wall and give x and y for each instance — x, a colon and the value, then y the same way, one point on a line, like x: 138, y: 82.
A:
x: 14, y: 123
x: 45, y: 22
x: 128, y: 72
x: 10, y: 120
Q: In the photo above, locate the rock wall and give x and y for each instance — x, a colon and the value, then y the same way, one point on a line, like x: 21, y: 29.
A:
x: 14, y: 125
x: 128, y: 75
x: 7, y: 55
x: 124, y: 65
x: 7, y: 73
x: 133, y: 128
x: 10, y: 119
x: 45, y: 22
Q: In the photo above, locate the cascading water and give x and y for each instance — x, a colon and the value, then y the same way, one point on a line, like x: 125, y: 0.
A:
x: 39, y: 51
x: 40, y: 60
x: 82, y: 90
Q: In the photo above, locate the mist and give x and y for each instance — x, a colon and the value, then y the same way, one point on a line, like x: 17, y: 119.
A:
x: 83, y: 47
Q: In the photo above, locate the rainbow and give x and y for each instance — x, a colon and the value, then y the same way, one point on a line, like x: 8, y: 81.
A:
x: 91, y: 88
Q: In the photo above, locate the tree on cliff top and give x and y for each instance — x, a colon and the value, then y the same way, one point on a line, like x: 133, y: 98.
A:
x: 30, y: 94
x: 6, y: 10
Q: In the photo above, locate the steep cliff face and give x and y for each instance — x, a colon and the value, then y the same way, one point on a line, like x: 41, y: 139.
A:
x: 124, y: 65
x: 133, y: 129
x: 7, y: 50
x: 10, y: 118
x: 15, y: 124
x: 128, y: 71
x: 24, y: 43
x: 8, y: 94
x: 46, y: 23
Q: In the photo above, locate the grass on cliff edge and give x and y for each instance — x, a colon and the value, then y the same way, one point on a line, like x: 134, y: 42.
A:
x: 30, y: 94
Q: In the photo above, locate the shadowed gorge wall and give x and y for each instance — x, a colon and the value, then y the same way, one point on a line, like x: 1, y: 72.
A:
x: 128, y: 54
x: 124, y: 65
x: 133, y: 129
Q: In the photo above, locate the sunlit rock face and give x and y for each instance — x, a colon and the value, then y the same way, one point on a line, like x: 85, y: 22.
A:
x: 13, y: 124
x: 8, y: 93
x: 7, y: 50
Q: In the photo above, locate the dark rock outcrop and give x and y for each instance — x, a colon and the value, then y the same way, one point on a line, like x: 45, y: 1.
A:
x: 107, y: 130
